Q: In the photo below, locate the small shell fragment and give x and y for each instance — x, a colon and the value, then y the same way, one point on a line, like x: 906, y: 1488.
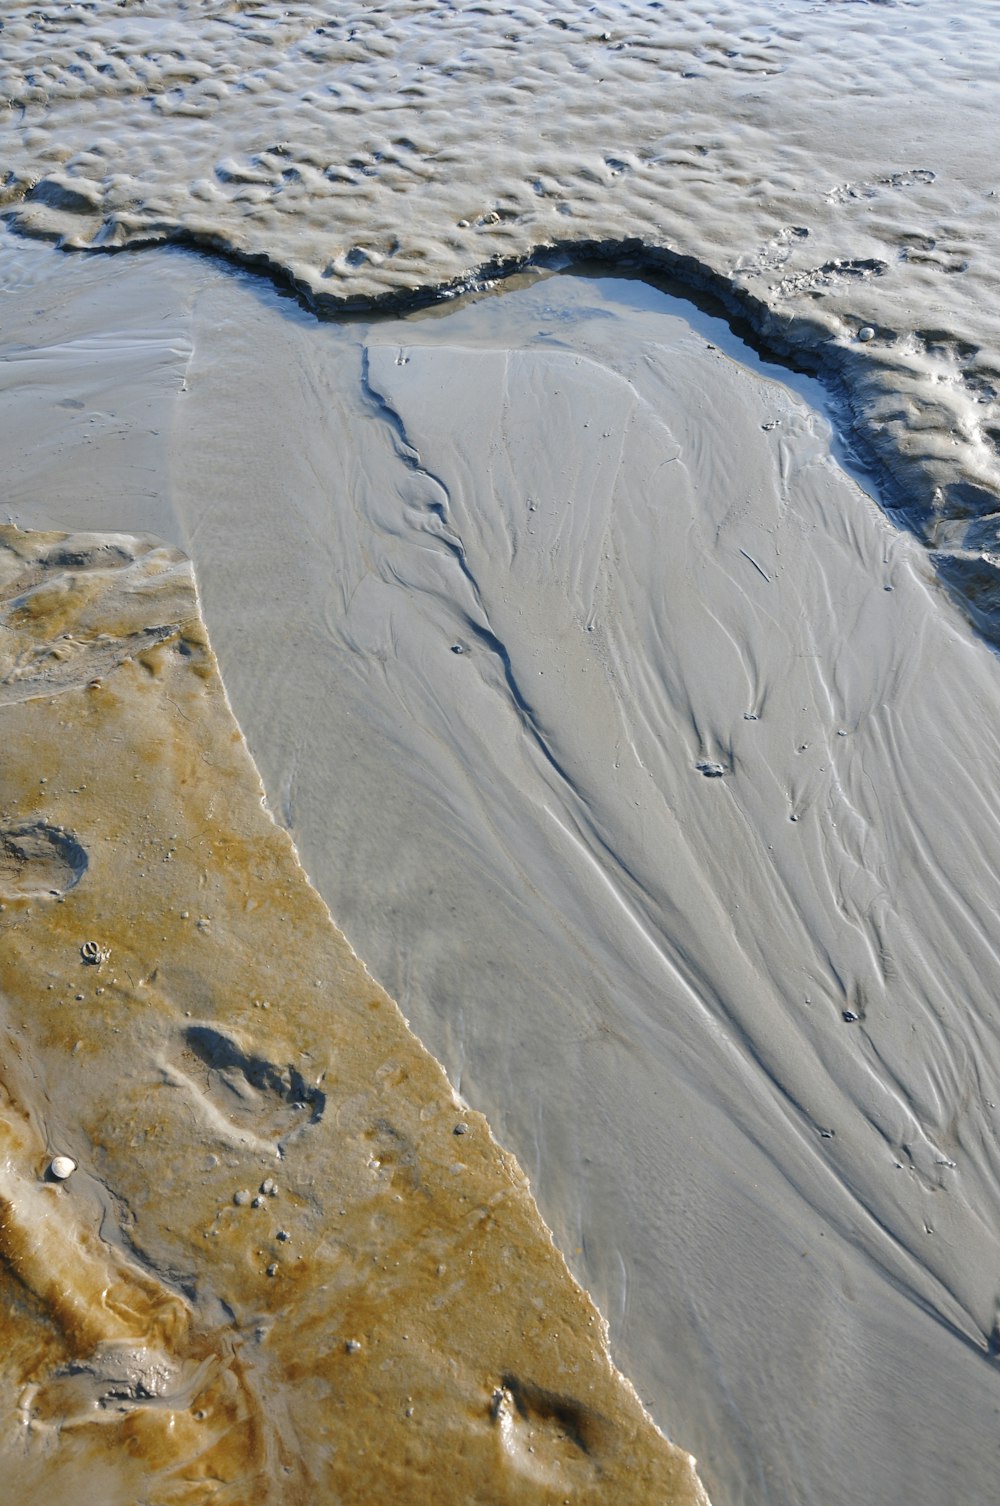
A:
x: 62, y: 1167
x: 93, y: 953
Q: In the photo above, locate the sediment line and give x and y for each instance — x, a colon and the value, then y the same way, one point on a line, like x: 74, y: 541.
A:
x: 932, y: 499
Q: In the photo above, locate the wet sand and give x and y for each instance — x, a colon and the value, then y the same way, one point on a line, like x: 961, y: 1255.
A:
x: 828, y: 169
x: 287, y: 1263
x: 618, y: 689
x: 649, y: 768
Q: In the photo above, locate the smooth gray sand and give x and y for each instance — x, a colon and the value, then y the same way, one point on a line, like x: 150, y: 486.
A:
x: 648, y: 766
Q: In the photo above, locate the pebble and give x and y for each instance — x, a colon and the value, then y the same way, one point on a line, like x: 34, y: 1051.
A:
x: 866, y: 333
x: 62, y: 1167
x: 352, y: 1346
x: 241, y: 1198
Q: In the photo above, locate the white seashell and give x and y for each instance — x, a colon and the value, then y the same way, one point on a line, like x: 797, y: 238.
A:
x: 62, y: 1167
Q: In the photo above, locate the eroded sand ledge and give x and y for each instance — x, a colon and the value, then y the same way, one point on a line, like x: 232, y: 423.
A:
x: 828, y: 170
x: 290, y: 1260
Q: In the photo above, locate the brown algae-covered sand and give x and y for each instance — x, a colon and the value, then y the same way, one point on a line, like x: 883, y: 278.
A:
x: 290, y: 1265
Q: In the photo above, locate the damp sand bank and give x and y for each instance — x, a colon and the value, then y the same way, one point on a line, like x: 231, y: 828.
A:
x: 666, y: 815
x: 278, y: 1261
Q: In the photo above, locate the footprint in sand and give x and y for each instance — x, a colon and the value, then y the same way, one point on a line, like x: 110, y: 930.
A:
x: 550, y: 1438
x: 38, y: 860
x: 246, y: 1098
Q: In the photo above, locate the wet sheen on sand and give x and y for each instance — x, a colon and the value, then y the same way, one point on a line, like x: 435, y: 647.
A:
x: 290, y: 1265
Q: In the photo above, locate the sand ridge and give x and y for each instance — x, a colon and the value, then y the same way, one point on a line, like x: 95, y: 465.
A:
x: 828, y: 169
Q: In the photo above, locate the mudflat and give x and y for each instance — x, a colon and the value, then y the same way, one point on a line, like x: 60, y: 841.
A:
x: 288, y: 1260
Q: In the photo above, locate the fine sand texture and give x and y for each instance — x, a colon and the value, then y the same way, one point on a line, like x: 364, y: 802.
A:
x: 646, y: 764
x: 828, y: 168
x: 289, y: 1266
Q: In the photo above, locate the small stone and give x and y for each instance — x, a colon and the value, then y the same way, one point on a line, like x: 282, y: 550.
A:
x: 258, y: 1202
x: 269, y: 1187
x: 866, y: 333
x: 62, y: 1167
x: 283, y: 1235
x: 241, y: 1198
x: 460, y: 1129
x: 272, y: 1270
x: 352, y: 1346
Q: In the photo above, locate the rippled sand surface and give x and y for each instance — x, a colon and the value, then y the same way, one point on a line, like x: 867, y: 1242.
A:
x: 830, y: 167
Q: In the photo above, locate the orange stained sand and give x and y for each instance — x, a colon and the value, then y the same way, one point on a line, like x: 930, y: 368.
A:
x: 290, y: 1266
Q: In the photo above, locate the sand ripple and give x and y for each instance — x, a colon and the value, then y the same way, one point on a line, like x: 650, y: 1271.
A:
x: 829, y: 169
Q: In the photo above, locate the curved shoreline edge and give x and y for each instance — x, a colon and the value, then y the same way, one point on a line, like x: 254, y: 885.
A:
x: 283, y: 1237
x: 951, y: 511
